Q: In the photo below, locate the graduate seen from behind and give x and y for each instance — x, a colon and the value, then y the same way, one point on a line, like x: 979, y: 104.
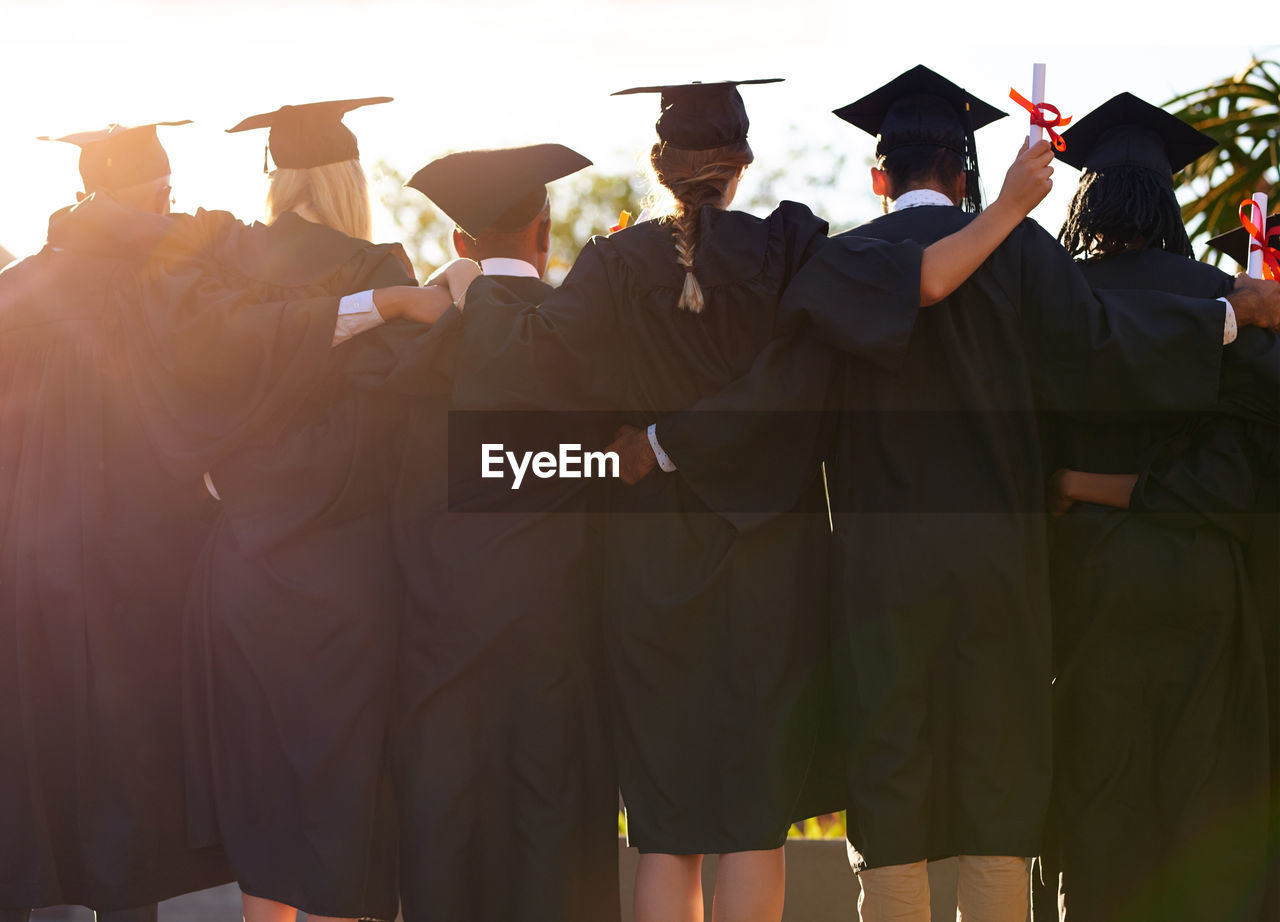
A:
x: 940, y: 572
x: 97, y: 538
x: 1163, y: 635
x: 649, y: 321
x: 1223, y: 472
x: 243, y: 342
x: 293, y: 617
x: 506, y: 787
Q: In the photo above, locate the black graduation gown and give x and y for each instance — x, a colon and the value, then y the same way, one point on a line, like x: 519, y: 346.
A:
x: 715, y: 637
x: 940, y: 575
x: 506, y: 784
x: 97, y: 540
x: 292, y: 613
x: 293, y: 616
x: 1160, y: 692
x: 1191, y: 478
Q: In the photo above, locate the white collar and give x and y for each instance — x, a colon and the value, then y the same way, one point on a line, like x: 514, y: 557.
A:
x: 502, y: 265
x: 917, y: 197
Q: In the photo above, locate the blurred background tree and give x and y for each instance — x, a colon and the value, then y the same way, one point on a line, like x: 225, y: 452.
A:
x: 1241, y: 113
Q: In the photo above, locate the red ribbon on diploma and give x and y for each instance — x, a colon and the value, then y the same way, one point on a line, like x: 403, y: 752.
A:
x: 1258, y: 241
x: 1040, y: 116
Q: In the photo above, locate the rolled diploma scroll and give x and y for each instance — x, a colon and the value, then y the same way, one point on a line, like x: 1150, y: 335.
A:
x: 1254, y: 268
x: 1037, y: 97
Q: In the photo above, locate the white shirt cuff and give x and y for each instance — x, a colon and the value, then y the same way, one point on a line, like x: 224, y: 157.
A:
x: 356, y: 313
x: 664, y: 461
x: 1230, y: 329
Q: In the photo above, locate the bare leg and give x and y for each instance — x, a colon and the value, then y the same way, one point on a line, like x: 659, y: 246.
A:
x: 148, y: 913
x: 668, y: 888
x: 898, y: 893
x: 750, y: 887
x: 256, y: 909
x: 992, y: 889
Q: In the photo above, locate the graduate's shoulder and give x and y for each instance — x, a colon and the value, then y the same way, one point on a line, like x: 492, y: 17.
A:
x: 923, y: 224
x: 292, y: 252
x: 516, y: 293
x: 1157, y: 270
x: 732, y: 246
x: 523, y: 287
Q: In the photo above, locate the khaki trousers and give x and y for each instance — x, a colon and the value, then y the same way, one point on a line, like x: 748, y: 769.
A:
x: 990, y: 889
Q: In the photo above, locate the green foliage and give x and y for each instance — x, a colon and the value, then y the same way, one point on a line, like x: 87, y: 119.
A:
x: 584, y: 205
x: 806, y: 174
x: 424, y: 230
x: 1241, y: 113
x: 828, y: 826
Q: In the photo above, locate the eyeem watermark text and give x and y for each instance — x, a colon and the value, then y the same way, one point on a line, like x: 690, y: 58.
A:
x: 570, y: 463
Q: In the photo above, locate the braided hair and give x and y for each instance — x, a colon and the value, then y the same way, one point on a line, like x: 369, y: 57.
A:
x: 1124, y: 207
x: 695, y: 178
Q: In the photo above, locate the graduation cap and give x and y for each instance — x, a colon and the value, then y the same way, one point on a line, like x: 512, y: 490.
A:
x: 919, y: 108
x: 502, y: 189
x: 311, y: 134
x: 1235, y: 243
x: 1128, y: 131
x: 119, y: 156
x: 922, y: 108
x: 701, y: 116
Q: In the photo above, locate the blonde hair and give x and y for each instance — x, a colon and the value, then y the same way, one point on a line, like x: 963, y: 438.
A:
x: 336, y: 194
x: 695, y: 178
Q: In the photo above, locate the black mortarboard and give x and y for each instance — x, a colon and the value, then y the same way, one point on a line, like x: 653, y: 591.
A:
x: 701, y: 116
x: 919, y: 107
x: 311, y: 134
x: 1128, y: 131
x: 119, y: 156
x: 503, y: 189
x: 1235, y: 243
x: 922, y: 108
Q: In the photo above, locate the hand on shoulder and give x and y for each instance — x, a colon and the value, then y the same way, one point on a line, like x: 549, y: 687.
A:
x: 1256, y: 302
x: 456, y: 276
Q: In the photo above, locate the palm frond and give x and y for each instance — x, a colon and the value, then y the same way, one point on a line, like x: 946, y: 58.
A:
x: 1241, y: 113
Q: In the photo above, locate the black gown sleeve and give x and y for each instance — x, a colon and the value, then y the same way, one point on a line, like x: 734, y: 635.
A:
x: 567, y: 353
x: 1251, y: 377
x: 224, y: 335
x: 861, y: 295
x: 213, y: 364
x: 1111, y: 350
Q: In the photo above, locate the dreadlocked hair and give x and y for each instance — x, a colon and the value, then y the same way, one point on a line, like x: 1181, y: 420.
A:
x: 695, y: 178
x: 1123, y: 208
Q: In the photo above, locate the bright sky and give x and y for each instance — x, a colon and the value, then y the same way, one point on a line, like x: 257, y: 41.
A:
x: 486, y: 73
